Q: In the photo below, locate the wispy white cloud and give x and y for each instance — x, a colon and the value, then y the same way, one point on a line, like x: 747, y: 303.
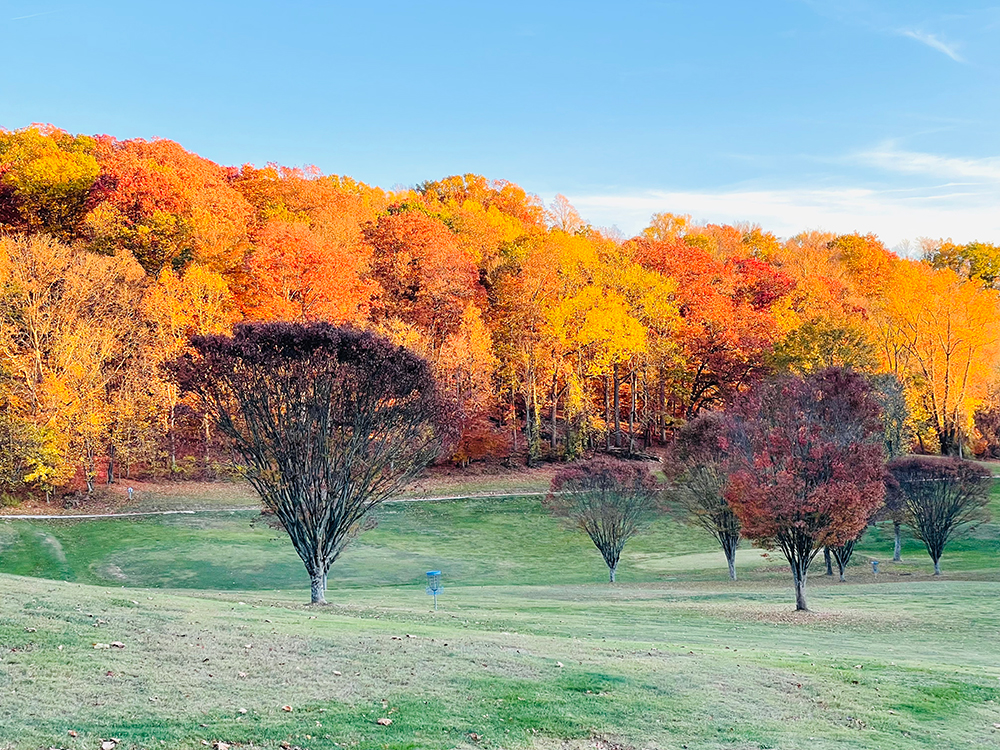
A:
x: 933, y: 42
x: 887, y: 157
x: 895, y: 215
x: 33, y: 15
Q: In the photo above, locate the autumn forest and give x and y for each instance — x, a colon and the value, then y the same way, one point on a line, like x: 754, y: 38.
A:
x: 549, y: 336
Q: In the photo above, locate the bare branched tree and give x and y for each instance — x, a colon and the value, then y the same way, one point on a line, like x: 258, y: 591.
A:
x: 329, y: 422
x: 699, y: 480
x: 610, y: 500
x: 897, y: 440
x: 842, y: 553
x: 942, y: 498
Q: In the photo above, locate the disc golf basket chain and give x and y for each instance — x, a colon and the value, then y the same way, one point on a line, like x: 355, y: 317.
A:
x: 434, y: 586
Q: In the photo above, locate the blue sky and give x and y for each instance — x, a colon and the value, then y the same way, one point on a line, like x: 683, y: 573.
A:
x: 796, y: 114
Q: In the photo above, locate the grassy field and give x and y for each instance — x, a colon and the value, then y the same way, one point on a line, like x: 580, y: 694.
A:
x: 530, y: 648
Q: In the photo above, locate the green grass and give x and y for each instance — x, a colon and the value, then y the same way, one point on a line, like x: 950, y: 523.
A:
x: 531, y: 648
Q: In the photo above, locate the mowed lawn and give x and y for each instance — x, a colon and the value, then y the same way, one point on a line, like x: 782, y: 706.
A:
x: 530, y: 647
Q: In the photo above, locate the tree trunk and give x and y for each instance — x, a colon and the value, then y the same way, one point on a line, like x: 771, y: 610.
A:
x: 534, y: 444
x: 828, y: 558
x: 948, y: 442
x: 631, y: 416
x: 90, y: 470
x: 611, y: 569
x: 513, y: 420
x: 607, y: 414
x: 937, y: 567
x: 318, y: 581
x: 173, y: 439
x: 730, y: 543
x: 208, y: 441
x: 841, y: 568
x: 111, y: 463
x: 555, y: 405
x: 897, y: 549
x: 617, y: 407
x: 800, y: 588
x: 662, y: 417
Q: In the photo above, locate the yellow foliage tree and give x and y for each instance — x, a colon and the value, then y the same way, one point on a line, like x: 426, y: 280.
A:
x: 70, y: 324
x: 937, y: 333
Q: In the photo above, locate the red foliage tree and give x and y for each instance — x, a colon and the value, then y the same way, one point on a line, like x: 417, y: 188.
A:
x: 168, y: 206
x: 426, y: 278
x: 297, y: 273
x: 727, y: 328
x: 806, y: 464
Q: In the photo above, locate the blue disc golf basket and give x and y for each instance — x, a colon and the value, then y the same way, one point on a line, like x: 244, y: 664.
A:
x: 434, y: 586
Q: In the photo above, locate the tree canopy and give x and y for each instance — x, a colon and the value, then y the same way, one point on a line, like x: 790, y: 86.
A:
x: 551, y: 337
x: 806, y: 464
x: 328, y: 423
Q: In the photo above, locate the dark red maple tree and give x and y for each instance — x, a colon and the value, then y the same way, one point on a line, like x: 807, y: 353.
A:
x: 328, y: 422
x: 806, y: 464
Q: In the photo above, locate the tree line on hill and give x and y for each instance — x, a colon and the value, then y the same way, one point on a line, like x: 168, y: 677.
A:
x: 549, y: 337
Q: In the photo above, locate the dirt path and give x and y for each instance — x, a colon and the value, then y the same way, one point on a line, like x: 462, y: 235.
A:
x: 197, y: 511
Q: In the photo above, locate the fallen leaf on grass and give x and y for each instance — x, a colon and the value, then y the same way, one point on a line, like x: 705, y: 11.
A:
x: 102, y: 645
x: 72, y: 733
x: 384, y: 721
x: 336, y: 673
x: 286, y: 708
x: 109, y: 744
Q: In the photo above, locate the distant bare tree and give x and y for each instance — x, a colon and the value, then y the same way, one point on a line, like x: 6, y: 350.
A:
x: 699, y: 481
x: 329, y: 422
x: 942, y: 498
x: 895, y: 510
x: 610, y: 500
x: 563, y: 216
x: 842, y: 553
